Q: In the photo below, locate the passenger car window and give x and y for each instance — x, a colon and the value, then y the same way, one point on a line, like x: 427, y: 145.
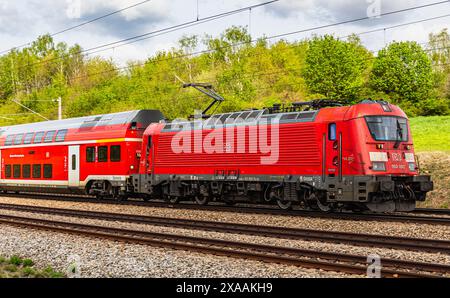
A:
x: 115, y: 153
x: 9, y: 140
x: 16, y: 171
x: 28, y: 138
x: 61, y: 135
x: 26, y: 171
x: 103, y: 154
x: 90, y: 154
x: 38, y: 137
x: 18, y: 139
x: 49, y: 136
x: 37, y: 171
x: 8, y: 171
x: 48, y: 169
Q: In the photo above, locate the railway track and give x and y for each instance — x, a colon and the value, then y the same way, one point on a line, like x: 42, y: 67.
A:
x: 352, y: 264
x: 429, y: 245
x: 432, y: 211
x: 434, y: 220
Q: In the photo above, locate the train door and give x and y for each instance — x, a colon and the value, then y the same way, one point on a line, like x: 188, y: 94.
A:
x: 74, y: 166
x: 332, y: 152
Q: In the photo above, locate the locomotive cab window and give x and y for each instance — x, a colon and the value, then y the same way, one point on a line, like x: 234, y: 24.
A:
x: 48, y: 171
x: 28, y: 138
x: 90, y: 154
x: 388, y: 128
x: 332, y: 132
x: 26, y: 171
x: 16, y: 171
x: 103, y: 154
x: 49, y: 136
x: 61, y: 135
x: 115, y: 153
x: 18, y: 139
x: 8, y: 171
x: 37, y: 171
x: 38, y: 137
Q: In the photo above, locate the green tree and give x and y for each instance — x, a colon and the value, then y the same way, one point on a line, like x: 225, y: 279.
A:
x: 403, y: 71
x: 335, y: 68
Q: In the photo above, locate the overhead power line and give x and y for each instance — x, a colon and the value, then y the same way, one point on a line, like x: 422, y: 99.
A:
x: 252, y: 41
x: 82, y: 24
x: 163, y: 31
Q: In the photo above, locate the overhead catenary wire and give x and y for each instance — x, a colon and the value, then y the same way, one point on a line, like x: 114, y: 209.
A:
x: 295, y: 32
x: 159, y: 32
x: 82, y: 24
x: 170, y: 29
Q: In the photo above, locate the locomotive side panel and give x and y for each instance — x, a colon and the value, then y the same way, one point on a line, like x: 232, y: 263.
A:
x: 287, y: 149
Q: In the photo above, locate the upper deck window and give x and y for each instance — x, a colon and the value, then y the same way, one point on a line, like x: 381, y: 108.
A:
x: 28, y: 138
x: 9, y: 140
x: 49, y: 136
x: 18, y: 139
x: 61, y: 135
x: 388, y: 128
x: 38, y: 137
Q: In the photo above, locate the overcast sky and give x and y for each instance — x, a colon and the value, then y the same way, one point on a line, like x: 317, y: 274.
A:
x: 22, y: 21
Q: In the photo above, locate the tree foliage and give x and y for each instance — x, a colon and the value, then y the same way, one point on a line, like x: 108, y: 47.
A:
x: 249, y: 74
x: 335, y: 68
x: 403, y: 71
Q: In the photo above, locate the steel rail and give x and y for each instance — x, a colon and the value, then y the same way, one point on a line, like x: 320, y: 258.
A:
x: 433, y: 220
x: 275, y: 254
x: 418, y: 244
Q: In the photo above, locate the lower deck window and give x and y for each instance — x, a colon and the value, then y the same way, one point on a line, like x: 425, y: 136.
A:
x: 26, y: 171
x: 103, y: 154
x: 16, y: 171
x: 115, y: 153
x: 37, y: 171
x: 48, y: 169
x: 8, y: 171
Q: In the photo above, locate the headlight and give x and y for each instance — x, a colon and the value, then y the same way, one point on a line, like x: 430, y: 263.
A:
x: 412, y: 166
x: 379, y: 166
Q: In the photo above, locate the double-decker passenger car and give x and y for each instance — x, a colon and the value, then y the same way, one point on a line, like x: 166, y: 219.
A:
x: 94, y: 155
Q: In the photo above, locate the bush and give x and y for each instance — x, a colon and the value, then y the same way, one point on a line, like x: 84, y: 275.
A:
x: 27, y: 263
x: 15, y: 260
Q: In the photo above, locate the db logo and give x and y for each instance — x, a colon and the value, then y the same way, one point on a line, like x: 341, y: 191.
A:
x: 396, y: 157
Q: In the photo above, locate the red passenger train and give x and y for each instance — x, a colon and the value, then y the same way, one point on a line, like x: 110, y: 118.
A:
x: 358, y: 157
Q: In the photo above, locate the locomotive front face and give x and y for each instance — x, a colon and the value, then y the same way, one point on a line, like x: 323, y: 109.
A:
x: 390, y: 160
x: 391, y: 148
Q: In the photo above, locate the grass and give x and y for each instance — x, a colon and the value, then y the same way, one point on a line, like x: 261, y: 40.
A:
x: 431, y: 133
x: 17, y: 267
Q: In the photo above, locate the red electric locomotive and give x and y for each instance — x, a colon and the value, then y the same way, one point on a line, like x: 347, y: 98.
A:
x: 355, y: 157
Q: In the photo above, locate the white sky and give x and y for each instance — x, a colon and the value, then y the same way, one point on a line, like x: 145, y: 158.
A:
x: 22, y: 21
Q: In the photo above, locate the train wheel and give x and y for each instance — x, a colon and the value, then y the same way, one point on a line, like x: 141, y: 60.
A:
x: 324, y: 207
x: 202, y: 200
x: 284, y: 205
x: 173, y: 200
x: 122, y: 198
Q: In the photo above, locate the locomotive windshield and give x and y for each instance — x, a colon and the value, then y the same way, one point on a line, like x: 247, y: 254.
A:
x: 388, y: 128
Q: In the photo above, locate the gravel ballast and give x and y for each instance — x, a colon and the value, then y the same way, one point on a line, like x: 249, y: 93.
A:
x: 370, y: 227
x: 101, y: 258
